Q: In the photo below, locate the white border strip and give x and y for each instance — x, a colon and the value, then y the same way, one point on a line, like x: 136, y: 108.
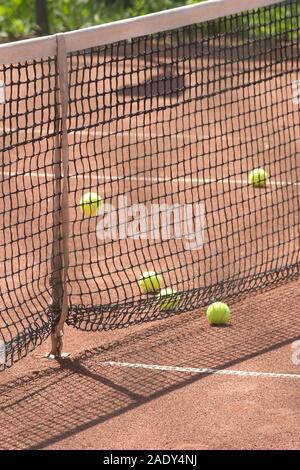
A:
x: 158, y: 22
x: 29, y: 49
x: 129, y: 28
x: 194, y: 370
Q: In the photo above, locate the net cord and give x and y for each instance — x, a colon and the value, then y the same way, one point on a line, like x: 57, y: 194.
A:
x: 127, y: 29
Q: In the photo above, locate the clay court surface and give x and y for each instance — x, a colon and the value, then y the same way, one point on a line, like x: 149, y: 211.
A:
x: 140, y: 388
x: 177, y: 383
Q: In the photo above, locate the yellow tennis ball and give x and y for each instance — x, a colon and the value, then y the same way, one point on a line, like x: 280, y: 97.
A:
x: 150, y: 281
x: 218, y: 313
x: 169, y: 299
x: 90, y: 204
x: 258, y: 177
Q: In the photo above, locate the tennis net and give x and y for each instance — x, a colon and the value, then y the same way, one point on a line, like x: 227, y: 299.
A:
x: 167, y: 116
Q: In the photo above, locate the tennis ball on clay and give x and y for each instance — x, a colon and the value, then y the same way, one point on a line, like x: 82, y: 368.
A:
x: 150, y: 281
x: 258, y: 177
x: 169, y: 299
x: 90, y: 204
x: 218, y: 313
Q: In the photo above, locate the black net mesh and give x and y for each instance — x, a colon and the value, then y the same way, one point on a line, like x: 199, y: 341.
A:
x: 28, y: 221
x: 165, y: 129
x: 178, y: 120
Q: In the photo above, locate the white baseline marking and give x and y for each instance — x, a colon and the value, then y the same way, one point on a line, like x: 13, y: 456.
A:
x: 113, y: 133
x: 149, y: 179
x: 195, y: 370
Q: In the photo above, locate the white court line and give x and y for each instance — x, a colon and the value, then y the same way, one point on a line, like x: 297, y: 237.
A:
x: 143, y: 135
x: 150, y: 179
x: 148, y: 135
x: 195, y: 370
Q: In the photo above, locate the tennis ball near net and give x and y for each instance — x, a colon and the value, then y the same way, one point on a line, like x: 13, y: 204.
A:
x: 90, y: 204
x: 150, y: 281
x: 218, y: 313
x: 169, y: 299
x: 258, y: 177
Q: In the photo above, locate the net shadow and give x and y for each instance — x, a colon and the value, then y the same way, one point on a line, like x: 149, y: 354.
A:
x: 44, y: 408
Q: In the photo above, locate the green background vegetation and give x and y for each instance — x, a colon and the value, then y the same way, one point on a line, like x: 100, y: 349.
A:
x: 27, y: 18
x: 18, y: 18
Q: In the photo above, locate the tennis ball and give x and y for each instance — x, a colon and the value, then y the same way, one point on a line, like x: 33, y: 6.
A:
x: 218, y: 313
x: 90, y: 203
x: 169, y: 299
x: 150, y: 281
x: 258, y: 177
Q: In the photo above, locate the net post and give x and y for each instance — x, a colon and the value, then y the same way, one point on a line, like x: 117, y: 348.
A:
x: 57, y: 260
x: 60, y: 255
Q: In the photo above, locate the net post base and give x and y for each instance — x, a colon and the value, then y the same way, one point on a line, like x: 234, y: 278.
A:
x: 57, y: 346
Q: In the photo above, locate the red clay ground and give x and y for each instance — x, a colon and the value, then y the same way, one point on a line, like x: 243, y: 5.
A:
x: 85, y: 404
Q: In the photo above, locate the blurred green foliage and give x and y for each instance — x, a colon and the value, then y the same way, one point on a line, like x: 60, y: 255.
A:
x: 18, y: 17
